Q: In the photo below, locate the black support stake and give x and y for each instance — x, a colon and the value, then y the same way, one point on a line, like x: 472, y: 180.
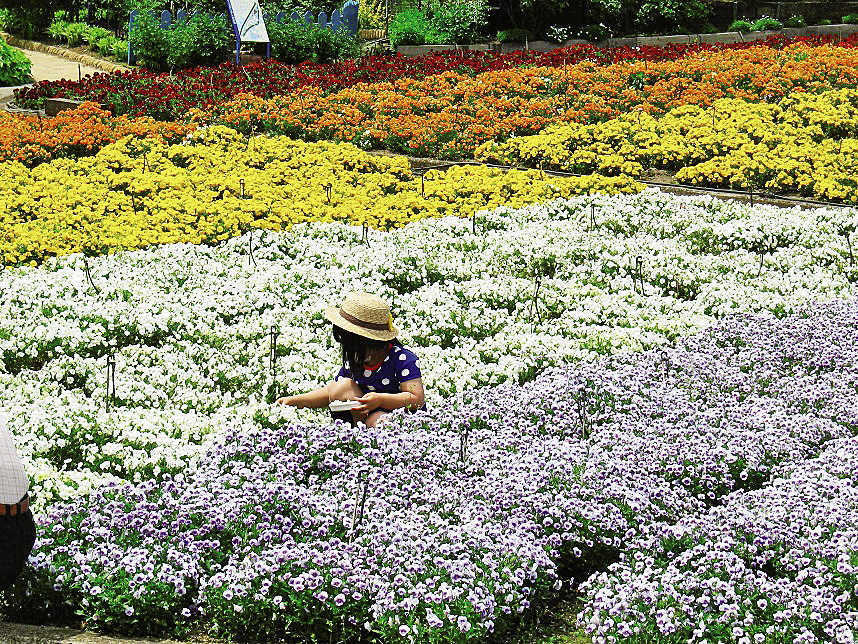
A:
x: 110, y: 395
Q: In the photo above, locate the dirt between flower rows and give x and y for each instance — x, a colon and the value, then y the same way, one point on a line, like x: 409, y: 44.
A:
x: 26, y: 634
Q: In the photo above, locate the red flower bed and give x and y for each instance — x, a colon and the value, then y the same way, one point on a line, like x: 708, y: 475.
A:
x: 170, y: 96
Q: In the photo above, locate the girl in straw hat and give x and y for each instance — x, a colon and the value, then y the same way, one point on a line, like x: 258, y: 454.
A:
x: 378, y: 373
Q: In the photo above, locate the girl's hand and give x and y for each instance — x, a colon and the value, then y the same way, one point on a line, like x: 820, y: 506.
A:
x: 369, y: 402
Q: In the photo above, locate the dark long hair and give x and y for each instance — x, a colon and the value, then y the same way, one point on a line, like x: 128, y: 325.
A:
x: 355, y: 347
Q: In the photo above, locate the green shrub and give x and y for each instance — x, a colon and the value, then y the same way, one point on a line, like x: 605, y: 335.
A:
x: 296, y: 42
x: 291, y: 42
x: 409, y: 27
x: 849, y: 19
x: 106, y: 45
x: 75, y: 32
x: 559, y: 33
x: 795, y: 21
x: 464, y: 22
x: 200, y: 41
x: 94, y: 34
x: 595, y: 32
x: 57, y: 29
x: 150, y: 43
x: 514, y: 35
x: 371, y: 14
x: 14, y: 66
x: 5, y: 19
x: 767, y: 24
x: 120, y: 50
x: 25, y: 20
x: 742, y: 26
x: 666, y: 16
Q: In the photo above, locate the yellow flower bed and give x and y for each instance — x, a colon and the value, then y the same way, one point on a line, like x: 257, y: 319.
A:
x: 139, y: 192
x: 807, y: 144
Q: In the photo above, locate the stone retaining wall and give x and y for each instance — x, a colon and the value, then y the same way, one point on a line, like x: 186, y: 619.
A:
x: 657, y: 41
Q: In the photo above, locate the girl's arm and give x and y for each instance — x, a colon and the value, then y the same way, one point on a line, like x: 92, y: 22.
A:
x: 410, y: 396
x: 312, y: 399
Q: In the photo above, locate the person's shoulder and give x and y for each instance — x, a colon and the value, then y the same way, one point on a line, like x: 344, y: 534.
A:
x: 399, y: 351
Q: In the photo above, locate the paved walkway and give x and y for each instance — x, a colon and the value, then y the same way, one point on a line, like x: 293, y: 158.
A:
x: 47, y: 65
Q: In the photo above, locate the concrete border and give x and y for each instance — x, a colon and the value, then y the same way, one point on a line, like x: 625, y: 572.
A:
x: 90, y: 61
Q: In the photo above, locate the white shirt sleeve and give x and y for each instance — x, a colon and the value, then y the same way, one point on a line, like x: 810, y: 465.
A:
x: 13, y: 480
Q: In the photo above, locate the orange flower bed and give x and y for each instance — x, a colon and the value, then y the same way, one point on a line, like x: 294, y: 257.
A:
x: 75, y: 133
x: 449, y: 115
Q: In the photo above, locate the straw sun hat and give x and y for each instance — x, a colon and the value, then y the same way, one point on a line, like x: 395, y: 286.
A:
x: 365, y: 314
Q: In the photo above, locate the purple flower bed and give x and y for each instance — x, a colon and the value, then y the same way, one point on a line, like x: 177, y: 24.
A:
x: 685, y: 480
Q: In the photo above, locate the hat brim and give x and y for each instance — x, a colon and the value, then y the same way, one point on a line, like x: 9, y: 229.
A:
x: 332, y: 313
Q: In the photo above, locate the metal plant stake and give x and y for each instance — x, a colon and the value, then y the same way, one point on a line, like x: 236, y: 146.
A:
x: 463, y: 443
x: 639, y: 271
x: 89, y: 274
x: 250, y: 247
x: 328, y: 188
x: 272, y: 350
x: 581, y: 402
x: 534, y: 303
x: 360, y: 501
x: 110, y: 395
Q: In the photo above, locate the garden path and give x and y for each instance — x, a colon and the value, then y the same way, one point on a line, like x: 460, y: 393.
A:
x: 49, y: 67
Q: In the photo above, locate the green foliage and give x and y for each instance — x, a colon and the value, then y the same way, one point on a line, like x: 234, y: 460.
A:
x: 462, y: 23
x: 559, y: 33
x: 536, y: 15
x: 150, y: 43
x: 14, y: 66
x: 57, y: 29
x: 664, y: 16
x: 27, y: 18
x: 120, y: 50
x: 595, y: 32
x: 371, y: 14
x: 742, y: 26
x: 201, y: 41
x: 74, y: 33
x: 766, y: 24
x: 795, y: 21
x: 5, y: 19
x: 106, y: 45
x: 296, y: 42
x: 465, y: 22
x: 409, y: 27
x: 94, y: 34
x: 514, y: 35
x: 849, y: 19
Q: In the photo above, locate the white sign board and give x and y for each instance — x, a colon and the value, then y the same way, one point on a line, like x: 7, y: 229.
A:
x: 247, y: 15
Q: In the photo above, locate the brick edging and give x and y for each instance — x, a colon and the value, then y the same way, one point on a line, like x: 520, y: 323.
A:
x: 90, y: 61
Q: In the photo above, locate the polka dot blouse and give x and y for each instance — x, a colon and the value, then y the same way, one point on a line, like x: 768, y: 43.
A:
x: 400, y: 365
